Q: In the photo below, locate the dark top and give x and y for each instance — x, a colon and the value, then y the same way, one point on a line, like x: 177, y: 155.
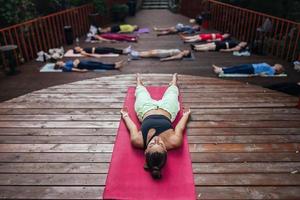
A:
x: 160, y: 123
x: 115, y: 28
x: 89, y: 50
x: 225, y: 45
x: 98, y: 50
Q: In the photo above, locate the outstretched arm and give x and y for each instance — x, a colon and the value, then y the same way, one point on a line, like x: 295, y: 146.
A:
x: 230, y: 50
x: 98, y: 37
x: 87, y: 54
x: 176, y: 57
x: 180, y: 128
x: 79, y: 70
x: 135, y: 137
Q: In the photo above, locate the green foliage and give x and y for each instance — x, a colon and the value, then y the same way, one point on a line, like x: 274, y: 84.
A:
x: 100, y: 6
x: 79, y: 2
x: 120, y: 8
x: 16, y: 11
x: 288, y: 9
x: 48, y: 6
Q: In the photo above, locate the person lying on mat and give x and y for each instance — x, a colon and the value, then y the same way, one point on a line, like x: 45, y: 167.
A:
x: 114, y: 37
x: 222, y: 46
x: 157, y: 136
x: 91, y: 51
x: 209, y: 37
x: 86, y: 65
x: 179, y: 28
x: 163, y: 54
x: 261, y: 69
x: 123, y: 28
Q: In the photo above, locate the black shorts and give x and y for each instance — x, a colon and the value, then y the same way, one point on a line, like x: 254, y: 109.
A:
x: 115, y: 29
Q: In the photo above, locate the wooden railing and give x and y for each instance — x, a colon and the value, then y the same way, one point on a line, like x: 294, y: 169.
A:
x: 280, y: 39
x: 45, y: 32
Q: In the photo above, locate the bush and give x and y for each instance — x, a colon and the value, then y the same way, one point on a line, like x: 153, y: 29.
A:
x: 100, y: 7
x: 119, y: 12
x: 120, y: 8
x: 17, y: 11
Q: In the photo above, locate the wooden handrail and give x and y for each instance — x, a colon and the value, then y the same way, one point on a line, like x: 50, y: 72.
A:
x: 252, y: 11
x: 281, y: 40
x: 45, y: 32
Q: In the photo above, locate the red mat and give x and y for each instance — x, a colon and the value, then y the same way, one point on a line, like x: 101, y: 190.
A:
x: 127, y: 178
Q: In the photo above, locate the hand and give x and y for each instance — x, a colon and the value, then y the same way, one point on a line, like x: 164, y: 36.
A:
x: 187, y: 112
x: 124, y: 112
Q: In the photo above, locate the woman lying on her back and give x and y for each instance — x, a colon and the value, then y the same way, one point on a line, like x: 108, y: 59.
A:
x: 163, y: 54
x: 157, y: 135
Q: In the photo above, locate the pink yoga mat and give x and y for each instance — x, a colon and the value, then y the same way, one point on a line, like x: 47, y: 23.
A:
x: 127, y: 178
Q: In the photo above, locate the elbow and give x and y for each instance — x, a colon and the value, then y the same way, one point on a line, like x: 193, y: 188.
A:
x: 135, y: 143
x: 177, y: 143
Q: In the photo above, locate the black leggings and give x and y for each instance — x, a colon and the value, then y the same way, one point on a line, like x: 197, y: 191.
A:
x: 104, y: 50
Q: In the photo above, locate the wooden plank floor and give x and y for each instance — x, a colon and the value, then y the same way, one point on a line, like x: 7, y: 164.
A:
x: 24, y: 82
x: 56, y: 143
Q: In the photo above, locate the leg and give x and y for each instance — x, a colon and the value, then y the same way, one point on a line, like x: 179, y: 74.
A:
x: 192, y: 40
x: 143, y: 100
x: 168, y: 32
x: 162, y: 29
x: 170, y: 101
x: 128, y: 38
x: 239, y: 69
x: 93, y: 65
x: 186, y: 37
x: 217, y: 69
x: 107, y: 50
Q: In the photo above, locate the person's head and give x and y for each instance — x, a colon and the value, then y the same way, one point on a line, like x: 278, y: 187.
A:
x: 136, y: 27
x: 156, y: 157
x: 278, y: 68
x: 192, y: 21
x: 198, y: 20
x: 59, y: 65
x: 187, y: 53
x: 226, y: 35
x: 77, y: 50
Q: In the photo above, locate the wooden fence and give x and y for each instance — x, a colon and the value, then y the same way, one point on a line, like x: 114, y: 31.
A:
x: 45, y: 32
x: 274, y: 36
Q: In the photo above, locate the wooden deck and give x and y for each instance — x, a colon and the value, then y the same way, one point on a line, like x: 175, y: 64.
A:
x: 56, y: 143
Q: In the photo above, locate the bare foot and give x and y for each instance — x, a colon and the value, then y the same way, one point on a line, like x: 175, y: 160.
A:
x: 120, y: 64
x: 138, y: 79
x: 174, y: 79
x: 217, y: 69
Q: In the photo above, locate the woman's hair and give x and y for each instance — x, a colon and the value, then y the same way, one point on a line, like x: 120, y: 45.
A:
x: 57, y: 65
x: 189, y: 55
x: 136, y: 27
x: 75, y: 51
x: 155, y: 162
x: 279, y: 69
